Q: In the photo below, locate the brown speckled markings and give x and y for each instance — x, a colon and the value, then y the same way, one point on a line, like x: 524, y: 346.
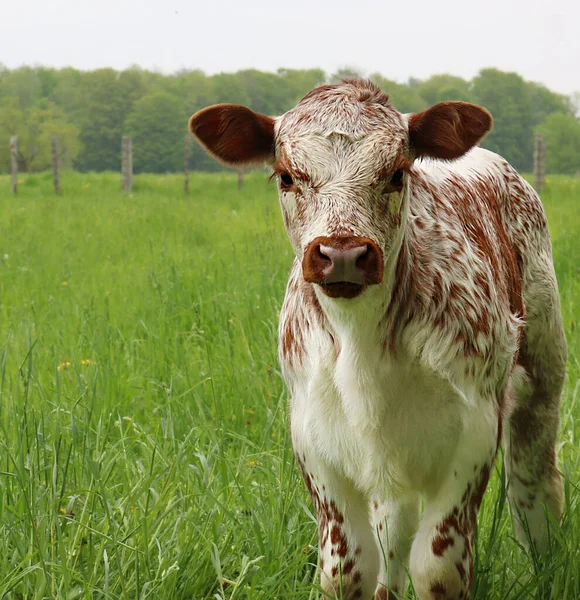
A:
x: 342, y: 562
x: 405, y: 376
x: 456, y: 531
x: 295, y: 324
x: 383, y: 594
x: 534, y: 482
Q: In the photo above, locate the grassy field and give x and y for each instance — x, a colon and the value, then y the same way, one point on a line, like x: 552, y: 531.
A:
x: 144, y: 450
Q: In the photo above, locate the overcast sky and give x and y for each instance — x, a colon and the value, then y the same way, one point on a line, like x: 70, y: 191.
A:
x: 418, y: 38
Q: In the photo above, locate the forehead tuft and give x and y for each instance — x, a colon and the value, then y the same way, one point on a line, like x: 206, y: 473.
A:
x: 355, y: 90
x: 354, y: 107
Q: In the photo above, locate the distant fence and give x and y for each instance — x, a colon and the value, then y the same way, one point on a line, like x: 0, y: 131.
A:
x: 540, y: 163
x: 14, y: 163
x: 127, y: 164
x: 54, y: 157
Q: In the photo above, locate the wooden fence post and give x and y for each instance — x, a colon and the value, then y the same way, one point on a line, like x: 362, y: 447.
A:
x: 187, y: 150
x: 55, y: 173
x: 540, y: 162
x: 127, y: 163
x: 14, y: 163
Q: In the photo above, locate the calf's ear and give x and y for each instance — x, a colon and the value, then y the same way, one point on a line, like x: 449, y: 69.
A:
x: 448, y: 129
x: 235, y: 135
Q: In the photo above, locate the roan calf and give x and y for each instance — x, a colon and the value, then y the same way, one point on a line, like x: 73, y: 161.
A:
x: 421, y: 326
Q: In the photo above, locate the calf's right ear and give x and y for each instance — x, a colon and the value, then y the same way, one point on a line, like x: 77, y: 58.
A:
x: 235, y: 135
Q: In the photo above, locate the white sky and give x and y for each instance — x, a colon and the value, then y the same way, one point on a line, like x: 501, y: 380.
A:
x: 539, y: 40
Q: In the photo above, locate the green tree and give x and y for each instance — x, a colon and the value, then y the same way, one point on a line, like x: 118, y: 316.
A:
x: 227, y: 87
x: 507, y: 96
x: 575, y: 103
x: 106, y: 99
x: 345, y: 73
x: 440, y: 88
x: 68, y: 93
x: 193, y: 88
x: 406, y: 99
x: 562, y: 133
x: 11, y: 122
x: 158, y: 127
x: 97, y: 105
x: 545, y: 102
x: 267, y: 92
x: 299, y: 82
x: 23, y: 84
x: 34, y: 129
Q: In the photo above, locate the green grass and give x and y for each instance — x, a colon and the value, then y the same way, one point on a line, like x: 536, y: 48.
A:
x: 144, y: 448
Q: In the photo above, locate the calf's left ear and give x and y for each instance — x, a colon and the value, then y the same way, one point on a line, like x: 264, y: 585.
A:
x: 235, y: 135
x: 448, y: 129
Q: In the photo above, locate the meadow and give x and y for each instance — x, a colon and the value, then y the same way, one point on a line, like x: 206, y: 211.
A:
x: 144, y: 446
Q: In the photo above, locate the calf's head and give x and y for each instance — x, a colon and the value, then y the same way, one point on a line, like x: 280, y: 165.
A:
x: 342, y: 158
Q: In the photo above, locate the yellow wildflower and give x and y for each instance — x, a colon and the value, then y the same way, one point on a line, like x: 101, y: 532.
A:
x: 65, y: 364
x: 64, y: 283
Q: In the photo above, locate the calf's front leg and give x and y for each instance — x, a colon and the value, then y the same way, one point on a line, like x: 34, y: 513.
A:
x: 442, y: 553
x: 349, y: 557
x: 395, y: 522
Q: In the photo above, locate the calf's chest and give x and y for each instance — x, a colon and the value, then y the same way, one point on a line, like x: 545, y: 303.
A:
x: 383, y: 422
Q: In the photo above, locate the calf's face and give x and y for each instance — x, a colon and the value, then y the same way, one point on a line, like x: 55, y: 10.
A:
x: 342, y: 159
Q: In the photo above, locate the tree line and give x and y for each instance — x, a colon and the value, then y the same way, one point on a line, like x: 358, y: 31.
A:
x: 89, y: 112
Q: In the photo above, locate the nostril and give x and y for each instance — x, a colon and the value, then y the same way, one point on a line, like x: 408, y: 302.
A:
x: 362, y: 260
x: 322, y: 257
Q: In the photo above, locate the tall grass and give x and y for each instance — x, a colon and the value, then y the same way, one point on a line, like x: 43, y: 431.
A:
x: 144, y: 450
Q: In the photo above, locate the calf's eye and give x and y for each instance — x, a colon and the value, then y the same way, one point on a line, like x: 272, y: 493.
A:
x: 286, y: 180
x: 397, y: 179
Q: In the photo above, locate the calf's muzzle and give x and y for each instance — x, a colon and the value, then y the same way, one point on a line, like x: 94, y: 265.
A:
x: 343, y: 265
